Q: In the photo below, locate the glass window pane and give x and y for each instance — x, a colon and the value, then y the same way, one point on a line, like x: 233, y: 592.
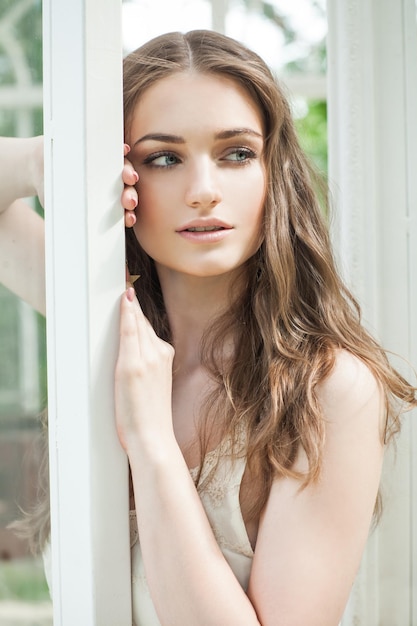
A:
x: 24, y: 596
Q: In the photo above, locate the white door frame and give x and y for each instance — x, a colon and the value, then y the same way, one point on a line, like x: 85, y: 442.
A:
x: 85, y: 278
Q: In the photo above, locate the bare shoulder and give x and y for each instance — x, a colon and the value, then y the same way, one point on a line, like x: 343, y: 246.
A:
x: 349, y: 372
x: 351, y: 388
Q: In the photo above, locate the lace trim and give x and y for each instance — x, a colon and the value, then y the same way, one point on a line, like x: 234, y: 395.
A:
x: 133, y: 528
x: 238, y: 547
x: 225, y: 448
x: 215, y: 487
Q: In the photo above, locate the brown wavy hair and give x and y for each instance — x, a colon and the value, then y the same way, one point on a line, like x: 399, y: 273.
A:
x: 294, y: 311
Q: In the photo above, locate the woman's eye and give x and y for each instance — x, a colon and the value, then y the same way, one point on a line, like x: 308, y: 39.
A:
x: 240, y: 155
x: 166, y: 159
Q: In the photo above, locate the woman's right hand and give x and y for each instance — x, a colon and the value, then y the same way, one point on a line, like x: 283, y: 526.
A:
x: 130, y: 195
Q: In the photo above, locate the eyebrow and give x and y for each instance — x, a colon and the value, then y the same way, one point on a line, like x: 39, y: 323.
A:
x: 223, y: 134
x: 236, y: 132
x: 160, y: 137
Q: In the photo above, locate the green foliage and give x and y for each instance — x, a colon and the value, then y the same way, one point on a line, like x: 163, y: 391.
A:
x: 37, y: 121
x: 23, y: 579
x: 42, y: 364
x: 27, y: 32
x: 314, y: 62
x: 9, y: 332
x: 312, y: 131
x: 7, y: 123
x: 312, y: 127
x: 6, y: 68
x: 30, y: 28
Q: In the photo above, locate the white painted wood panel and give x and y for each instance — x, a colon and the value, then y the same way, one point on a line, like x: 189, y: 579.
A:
x: 85, y: 277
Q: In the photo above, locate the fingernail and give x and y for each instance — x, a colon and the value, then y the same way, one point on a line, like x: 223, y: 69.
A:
x: 130, y: 294
x: 132, y: 220
x: 135, y: 202
x: 136, y: 175
x: 127, y: 147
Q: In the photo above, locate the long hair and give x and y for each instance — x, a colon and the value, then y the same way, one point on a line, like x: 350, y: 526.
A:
x: 35, y: 526
x: 294, y: 311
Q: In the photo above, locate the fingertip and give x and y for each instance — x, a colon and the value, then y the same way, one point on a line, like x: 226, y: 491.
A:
x: 130, y: 294
x: 130, y: 219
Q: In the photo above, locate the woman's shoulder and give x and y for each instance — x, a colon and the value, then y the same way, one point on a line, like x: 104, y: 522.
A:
x: 348, y: 370
x: 350, y: 387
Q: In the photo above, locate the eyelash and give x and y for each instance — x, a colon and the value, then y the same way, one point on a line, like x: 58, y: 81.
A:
x: 248, y: 152
x: 150, y: 160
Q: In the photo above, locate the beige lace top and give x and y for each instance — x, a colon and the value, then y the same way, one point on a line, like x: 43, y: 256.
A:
x: 220, y: 497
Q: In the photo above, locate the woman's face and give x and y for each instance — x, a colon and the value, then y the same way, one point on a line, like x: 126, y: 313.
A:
x: 197, y: 144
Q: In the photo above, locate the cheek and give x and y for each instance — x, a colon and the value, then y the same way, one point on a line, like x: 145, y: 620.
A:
x: 146, y: 216
x: 154, y: 217
x: 258, y: 213
x: 150, y: 204
x: 252, y: 199
x: 156, y: 191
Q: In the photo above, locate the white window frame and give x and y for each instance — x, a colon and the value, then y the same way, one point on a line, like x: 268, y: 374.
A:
x: 372, y: 73
x: 85, y: 278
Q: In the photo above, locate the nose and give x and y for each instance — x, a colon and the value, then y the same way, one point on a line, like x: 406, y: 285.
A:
x: 203, y: 190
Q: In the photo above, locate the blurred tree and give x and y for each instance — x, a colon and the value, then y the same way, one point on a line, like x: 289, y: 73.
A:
x: 312, y: 126
x: 312, y: 131
x: 272, y: 13
x: 20, y: 55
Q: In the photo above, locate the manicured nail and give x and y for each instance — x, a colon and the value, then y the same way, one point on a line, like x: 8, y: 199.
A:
x: 136, y: 175
x: 130, y: 294
x: 127, y: 148
x: 130, y: 220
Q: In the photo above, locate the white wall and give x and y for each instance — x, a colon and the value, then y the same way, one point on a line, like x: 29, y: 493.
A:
x: 372, y: 59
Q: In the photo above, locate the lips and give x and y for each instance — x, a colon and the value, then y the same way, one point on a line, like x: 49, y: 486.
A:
x: 209, y: 231
x: 203, y: 229
x: 202, y: 226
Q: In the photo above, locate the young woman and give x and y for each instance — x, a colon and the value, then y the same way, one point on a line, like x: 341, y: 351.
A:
x: 253, y: 406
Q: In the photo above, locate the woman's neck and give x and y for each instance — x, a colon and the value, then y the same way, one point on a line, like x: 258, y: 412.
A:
x: 192, y: 304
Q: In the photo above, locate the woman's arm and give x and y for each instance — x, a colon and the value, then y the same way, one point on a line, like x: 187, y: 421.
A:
x: 22, y: 263
x: 309, y: 543
x: 22, y: 238
x: 21, y: 169
x: 189, y: 579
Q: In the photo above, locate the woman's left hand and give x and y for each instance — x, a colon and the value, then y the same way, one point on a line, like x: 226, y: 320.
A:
x: 143, y: 383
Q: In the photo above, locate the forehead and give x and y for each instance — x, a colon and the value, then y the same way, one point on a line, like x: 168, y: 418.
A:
x: 189, y: 99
